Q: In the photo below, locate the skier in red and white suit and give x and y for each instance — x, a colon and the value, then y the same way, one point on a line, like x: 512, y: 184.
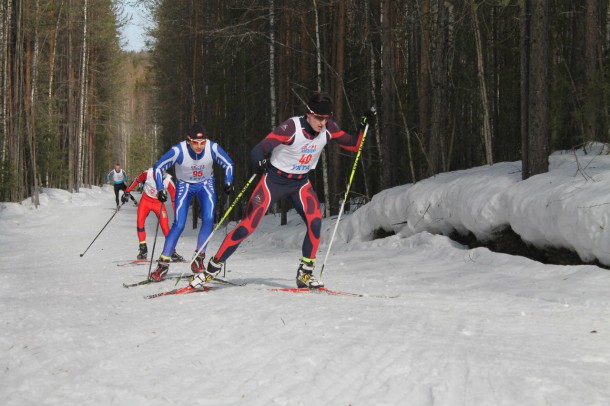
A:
x: 148, y: 203
x: 295, y: 147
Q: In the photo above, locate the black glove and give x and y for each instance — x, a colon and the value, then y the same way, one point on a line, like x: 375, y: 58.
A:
x: 162, y: 196
x: 125, y: 197
x: 370, y: 117
x: 229, y: 188
x: 261, y: 166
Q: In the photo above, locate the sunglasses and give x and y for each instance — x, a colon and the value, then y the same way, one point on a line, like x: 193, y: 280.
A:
x: 321, y: 117
x: 199, y: 143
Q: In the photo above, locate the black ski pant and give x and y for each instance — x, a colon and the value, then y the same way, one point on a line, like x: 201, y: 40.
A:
x: 117, y: 187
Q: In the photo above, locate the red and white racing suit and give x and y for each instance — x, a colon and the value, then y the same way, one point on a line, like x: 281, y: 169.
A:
x: 149, y: 202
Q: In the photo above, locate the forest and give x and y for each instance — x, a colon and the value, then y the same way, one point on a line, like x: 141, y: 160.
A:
x: 456, y: 84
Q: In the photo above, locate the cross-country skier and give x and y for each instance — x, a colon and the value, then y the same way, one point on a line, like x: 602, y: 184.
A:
x: 193, y: 160
x: 119, y: 177
x: 295, y: 147
x: 148, y: 203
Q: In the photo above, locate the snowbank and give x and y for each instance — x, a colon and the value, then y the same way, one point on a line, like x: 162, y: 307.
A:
x: 567, y: 207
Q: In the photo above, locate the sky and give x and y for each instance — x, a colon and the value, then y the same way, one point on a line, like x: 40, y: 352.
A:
x: 133, y: 33
x: 438, y: 323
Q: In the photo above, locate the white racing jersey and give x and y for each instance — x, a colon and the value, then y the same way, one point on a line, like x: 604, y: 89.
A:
x: 303, y: 154
x: 195, y: 170
x: 117, y: 177
x: 150, y: 186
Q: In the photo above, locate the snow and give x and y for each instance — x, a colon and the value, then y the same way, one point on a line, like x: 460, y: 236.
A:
x: 568, y: 207
x: 467, y: 326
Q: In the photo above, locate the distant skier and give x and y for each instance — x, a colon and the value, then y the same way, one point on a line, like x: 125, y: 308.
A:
x: 148, y: 203
x: 194, y: 160
x: 119, y: 177
x: 295, y: 146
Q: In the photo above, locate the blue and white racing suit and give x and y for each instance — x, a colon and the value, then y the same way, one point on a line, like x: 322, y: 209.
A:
x: 195, y: 177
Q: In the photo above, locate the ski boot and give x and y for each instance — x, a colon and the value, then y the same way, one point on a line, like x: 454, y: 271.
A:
x: 305, y: 278
x: 162, y: 268
x: 198, y: 266
x: 177, y: 257
x: 143, y: 251
x: 207, y: 275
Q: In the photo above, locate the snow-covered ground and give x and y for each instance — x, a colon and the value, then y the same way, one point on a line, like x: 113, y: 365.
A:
x: 468, y: 326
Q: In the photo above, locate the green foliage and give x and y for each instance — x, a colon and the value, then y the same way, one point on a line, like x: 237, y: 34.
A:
x: 140, y: 153
x: 7, y: 187
x: 211, y: 62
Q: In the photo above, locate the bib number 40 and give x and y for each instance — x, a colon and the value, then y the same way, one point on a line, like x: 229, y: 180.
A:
x: 305, y: 159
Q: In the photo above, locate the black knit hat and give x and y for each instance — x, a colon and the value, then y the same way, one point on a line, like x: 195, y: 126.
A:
x: 195, y: 132
x: 320, y: 103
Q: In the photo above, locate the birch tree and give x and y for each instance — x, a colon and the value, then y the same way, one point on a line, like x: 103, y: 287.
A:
x: 31, y: 119
x: 6, y: 89
x: 80, y: 147
x: 487, y: 140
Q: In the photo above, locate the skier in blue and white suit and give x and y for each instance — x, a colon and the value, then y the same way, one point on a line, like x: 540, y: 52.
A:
x: 193, y: 160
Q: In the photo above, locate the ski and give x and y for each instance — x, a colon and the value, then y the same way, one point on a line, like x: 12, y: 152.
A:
x: 189, y: 289
x: 146, y: 281
x: 179, y: 291
x: 226, y: 282
x: 143, y: 262
x: 326, y: 291
x: 133, y: 262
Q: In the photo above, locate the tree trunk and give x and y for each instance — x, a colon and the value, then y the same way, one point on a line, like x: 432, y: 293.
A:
x: 524, y: 85
x: 439, y: 73
x: 70, y: 107
x: 487, y: 141
x: 89, y: 128
x: 272, y: 90
x: 336, y: 178
x: 373, y: 97
x: 196, y: 62
x: 594, y: 113
x: 387, y: 96
x: 7, y: 14
x: 401, y: 108
x: 32, y: 112
x: 53, y: 39
x: 326, y: 211
x: 82, y: 102
x: 423, y: 90
x: 18, y: 96
x: 286, y: 34
x: 536, y: 137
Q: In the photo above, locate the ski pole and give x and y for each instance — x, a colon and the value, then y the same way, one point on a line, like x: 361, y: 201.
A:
x: 349, y: 185
x: 224, y: 266
x: 237, y: 199
x: 98, y: 234
x: 152, y: 254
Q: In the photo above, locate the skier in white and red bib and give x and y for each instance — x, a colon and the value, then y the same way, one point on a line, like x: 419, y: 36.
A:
x: 295, y: 147
x: 119, y: 178
x: 148, y: 203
